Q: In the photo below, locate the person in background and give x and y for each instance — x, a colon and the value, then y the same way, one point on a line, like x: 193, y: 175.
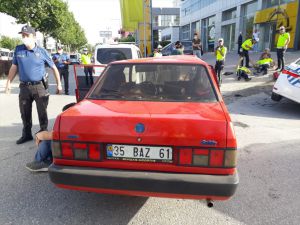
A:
x: 88, y: 70
x: 282, y: 45
x: 240, y: 42
x: 220, y: 53
x: 246, y: 46
x: 197, y: 46
x: 243, y: 72
x: 265, y: 62
x: 29, y: 61
x: 255, y: 36
x: 178, y: 49
x: 62, y: 62
x: 157, y: 52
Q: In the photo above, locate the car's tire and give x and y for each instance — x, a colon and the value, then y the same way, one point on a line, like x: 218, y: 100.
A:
x: 276, y: 97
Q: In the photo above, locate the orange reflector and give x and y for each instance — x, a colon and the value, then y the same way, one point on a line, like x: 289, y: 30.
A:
x: 216, y: 158
x: 94, y: 151
x: 66, y: 150
x: 185, y: 157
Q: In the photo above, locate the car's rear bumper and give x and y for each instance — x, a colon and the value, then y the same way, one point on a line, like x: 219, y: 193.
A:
x: 128, y: 181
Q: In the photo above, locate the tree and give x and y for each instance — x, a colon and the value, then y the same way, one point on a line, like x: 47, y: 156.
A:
x: 10, y: 43
x: 50, y: 17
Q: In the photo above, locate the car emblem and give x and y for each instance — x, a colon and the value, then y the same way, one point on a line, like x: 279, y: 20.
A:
x: 139, y: 128
x: 209, y: 142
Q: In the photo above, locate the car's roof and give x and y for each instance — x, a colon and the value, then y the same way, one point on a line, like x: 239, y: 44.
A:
x: 117, y: 46
x: 176, y: 59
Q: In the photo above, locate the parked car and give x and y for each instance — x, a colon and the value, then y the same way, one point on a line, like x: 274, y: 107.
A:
x: 187, y: 48
x: 288, y: 83
x: 107, y: 53
x: 74, y: 58
x: 4, y: 54
x: 149, y: 127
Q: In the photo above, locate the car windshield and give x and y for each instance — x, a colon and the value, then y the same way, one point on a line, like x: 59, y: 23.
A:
x: 107, y: 55
x: 155, y: 82
x: 73, y: 56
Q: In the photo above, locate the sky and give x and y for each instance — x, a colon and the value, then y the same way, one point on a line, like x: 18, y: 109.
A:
x: 97, y: 15
x: 92, y: 15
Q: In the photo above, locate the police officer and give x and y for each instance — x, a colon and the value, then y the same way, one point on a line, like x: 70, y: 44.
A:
x: 29, y: 61
x: 88, y: 70
x: 282, y: 44
x: 220, y: 53
x: 62, y: 61
x: 246, y: 46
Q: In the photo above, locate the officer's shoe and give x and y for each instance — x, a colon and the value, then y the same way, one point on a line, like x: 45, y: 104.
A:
x: 24, y: 139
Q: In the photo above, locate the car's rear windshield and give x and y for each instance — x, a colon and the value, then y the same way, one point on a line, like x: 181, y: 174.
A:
x: 155, y: 82
x: 107, y: 55
x: 73, y: 56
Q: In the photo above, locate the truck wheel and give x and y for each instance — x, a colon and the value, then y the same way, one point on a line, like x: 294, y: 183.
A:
x: 275, y: 97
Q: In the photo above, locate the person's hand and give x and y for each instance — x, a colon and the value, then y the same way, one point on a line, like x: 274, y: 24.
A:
x: 59, y: 89
x: 7, y: 88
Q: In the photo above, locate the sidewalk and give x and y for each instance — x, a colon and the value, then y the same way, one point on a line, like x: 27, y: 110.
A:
x: 231, y: 84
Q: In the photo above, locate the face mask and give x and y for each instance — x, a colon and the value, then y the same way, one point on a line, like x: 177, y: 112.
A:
x: 196, y: 37
x: 28, y: 41
x: 59, y: 51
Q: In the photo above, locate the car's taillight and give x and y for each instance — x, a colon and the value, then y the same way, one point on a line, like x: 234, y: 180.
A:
x: 207, y: 157
x: 76, y: 150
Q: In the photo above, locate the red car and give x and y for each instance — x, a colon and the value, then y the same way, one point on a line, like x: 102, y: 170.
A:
x: 149, y: 127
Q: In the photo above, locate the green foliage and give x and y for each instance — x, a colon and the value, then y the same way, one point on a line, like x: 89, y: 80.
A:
x: 10, y: 43
x: 50, y: 17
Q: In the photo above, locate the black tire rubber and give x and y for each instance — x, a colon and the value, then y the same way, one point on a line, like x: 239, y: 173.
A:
x: 276, y: 97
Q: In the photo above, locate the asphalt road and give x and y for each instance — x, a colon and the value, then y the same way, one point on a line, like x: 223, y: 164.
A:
x: 269, y: 156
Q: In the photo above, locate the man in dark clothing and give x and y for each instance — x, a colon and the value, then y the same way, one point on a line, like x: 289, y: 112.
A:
x: 197, y: 46
x: 29, y: 61
x: 62, y: 61
x: 178, y: 49
x: 240, y: 42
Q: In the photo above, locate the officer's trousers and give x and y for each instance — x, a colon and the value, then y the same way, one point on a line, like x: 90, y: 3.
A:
x: 280, y: 58
x: 218, y: 69
x: 64, y: 73
x: 28, y: 94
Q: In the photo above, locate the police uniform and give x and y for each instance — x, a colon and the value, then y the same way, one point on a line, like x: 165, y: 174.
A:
x: 31, y: 68
x: 282, y: 39
x: 220, y: 58
x: 63, y: 68
x: 246, y: 46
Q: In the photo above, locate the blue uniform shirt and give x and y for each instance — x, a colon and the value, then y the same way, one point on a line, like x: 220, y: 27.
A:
x: 61, y: 58
x: 31, y: 63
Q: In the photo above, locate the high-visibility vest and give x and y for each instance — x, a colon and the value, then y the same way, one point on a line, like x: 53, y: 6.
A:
x: 223, y: 50
x: 243, y: 68
x: 282, y: 39
x: 264, y: 61
x: 157, y: 54
x: 86, y: 59
x: 249, y: 43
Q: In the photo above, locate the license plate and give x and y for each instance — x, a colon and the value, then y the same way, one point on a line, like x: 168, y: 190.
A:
x: 139, y: 153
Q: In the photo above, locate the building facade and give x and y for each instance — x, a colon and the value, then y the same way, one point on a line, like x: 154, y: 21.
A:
x: 163, y: 18
x: 214, y: 19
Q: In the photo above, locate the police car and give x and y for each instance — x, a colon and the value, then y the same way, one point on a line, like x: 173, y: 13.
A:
x: 288, y: 83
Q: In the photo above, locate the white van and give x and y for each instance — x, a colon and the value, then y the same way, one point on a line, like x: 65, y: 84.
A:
x: 4, y: 54
x: 106, y: 53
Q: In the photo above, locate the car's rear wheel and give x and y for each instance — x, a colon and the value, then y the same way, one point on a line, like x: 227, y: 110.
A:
x: 276, y: 97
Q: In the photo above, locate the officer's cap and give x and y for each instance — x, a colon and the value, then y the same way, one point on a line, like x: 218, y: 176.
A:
x: 27, y: 30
